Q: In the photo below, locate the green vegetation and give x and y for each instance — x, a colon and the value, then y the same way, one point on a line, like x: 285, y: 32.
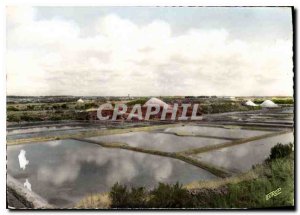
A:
x: 137, y: 101
x: 226, y: 107
x: 30, y: 107
x: 64, y: 106
x: 85, y: 106
x: 283, y: 100
x: 90, y: 105
x: 123, y: 198
x: 12, y: 108
x: 163, y: 196
x: 28, y: 116
x: 277, y: 172
x: 170, y: 196
x: 274, y: 174
x: 258, y: 101
x: 280, y: 151
x: 275, y: 100
x: 37, y: 111
x: 50, y: 111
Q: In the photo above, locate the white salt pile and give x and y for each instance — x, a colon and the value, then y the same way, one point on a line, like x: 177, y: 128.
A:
x: 80, y: 101
x: 250, y: 103
x: 268, y: 103
x: 155, y: 101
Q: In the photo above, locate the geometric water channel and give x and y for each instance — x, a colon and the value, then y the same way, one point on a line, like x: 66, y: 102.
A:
x: 64, y: 171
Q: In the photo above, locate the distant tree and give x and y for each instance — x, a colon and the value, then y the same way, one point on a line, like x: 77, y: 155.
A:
x: 64, y: 106
x: 55, y: 107
x: 90, y: 105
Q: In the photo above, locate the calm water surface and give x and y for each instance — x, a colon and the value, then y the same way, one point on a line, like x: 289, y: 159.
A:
x: 240, y: 158
x: 159, y: 141
x: 217, y: 132
x: 63, y: 172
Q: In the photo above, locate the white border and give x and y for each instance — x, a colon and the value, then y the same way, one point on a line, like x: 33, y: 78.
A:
x: 102, y: 3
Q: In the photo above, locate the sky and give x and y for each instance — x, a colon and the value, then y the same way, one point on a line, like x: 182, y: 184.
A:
x: 149, y: 51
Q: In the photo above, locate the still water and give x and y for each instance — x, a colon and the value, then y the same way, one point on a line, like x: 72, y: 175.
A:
x: 46, y: 131
x: 63, y: 172
x: 39, y: 129
x: 159, y: 141
x: 217, y: 132
x: 240, y: 158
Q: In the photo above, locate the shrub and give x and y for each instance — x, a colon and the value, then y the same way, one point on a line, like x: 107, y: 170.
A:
x: 64, y: 106
x: 26, y: 117
x: 170, y: 196
x: 90, y: 105
x: 227, y: 106
x: 164, y: 196
x: 137, y: 101
x: 55, y: 107
x: 121, y: 197
x: 277, y: 172
x: 258, y: 101
x: 137, y: 197
x: 280, y: 151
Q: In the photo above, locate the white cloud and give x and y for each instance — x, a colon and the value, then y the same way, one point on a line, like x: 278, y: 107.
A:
x: 46, y: 57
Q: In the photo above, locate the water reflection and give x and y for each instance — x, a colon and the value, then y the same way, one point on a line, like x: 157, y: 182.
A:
x: 66, y: 171
x: 217, y: 132
x: 27, y: 184
x: 159, y: 141
x: 22, y: 159
x: 44, y: 132
x: 242, y: 157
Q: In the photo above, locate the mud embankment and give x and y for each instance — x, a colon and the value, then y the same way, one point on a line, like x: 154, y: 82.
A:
x: 19, y: 197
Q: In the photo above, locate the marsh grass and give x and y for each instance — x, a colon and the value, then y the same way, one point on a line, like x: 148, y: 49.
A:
x: 252, y: 194
x: 94, y: 201
x: 216, y: 183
